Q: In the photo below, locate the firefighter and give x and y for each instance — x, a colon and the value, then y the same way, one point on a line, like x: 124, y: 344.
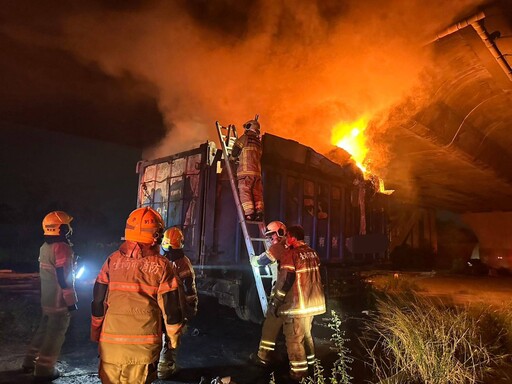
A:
x: 58, y: 296
x: 134, y: 290
x: 247, y: 148
x: 276, y: 232
x: 172, y: 246
x: 298, y: 297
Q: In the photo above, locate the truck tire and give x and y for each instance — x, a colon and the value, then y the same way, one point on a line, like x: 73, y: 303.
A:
x: 251, y: 310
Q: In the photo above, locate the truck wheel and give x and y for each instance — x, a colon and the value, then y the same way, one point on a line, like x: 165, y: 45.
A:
x: 251, y: 311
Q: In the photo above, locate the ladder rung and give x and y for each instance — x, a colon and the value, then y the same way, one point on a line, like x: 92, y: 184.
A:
x: 253, y: 222
x: 258, y: 239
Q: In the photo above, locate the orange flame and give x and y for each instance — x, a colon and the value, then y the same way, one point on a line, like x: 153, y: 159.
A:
x: 350, y: 137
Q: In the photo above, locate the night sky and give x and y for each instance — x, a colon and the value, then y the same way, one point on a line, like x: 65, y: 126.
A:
x: 71, y: 135
x: 94, y: 181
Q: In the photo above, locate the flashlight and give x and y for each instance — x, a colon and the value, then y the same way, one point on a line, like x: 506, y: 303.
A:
x: 80, y: 272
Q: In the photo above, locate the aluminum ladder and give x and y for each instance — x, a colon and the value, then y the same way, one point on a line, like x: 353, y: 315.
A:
x: 227, y: 136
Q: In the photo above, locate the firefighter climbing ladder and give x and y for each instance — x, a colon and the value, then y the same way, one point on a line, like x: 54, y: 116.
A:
x: 227, y: 139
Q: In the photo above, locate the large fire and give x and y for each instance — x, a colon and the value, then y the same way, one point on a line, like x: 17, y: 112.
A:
x: 350, y: 137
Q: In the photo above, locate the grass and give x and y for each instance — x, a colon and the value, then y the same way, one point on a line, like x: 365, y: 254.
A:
x: 340, y: 370
x: 414, y: 339
x: 419, y: 340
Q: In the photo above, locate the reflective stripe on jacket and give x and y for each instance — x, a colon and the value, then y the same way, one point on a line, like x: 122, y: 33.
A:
x: 131, y: 331
x: 53, y: 297
x: 306, y: 296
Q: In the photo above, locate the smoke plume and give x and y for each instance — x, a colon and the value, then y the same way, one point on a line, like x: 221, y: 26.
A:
x: 302, y: 66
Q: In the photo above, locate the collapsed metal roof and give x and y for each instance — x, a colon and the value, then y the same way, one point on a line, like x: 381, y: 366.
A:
x: 455, y: 153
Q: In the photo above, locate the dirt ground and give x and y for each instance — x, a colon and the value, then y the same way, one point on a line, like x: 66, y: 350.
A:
x: 217, y: 344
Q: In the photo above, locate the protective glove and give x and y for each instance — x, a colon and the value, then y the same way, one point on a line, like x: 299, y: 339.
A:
x: 273, y: 306
x: 191, y: 308
x: 254, y: 261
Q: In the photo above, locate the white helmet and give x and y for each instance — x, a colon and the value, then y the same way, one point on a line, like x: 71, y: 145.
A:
x: 276, y: 227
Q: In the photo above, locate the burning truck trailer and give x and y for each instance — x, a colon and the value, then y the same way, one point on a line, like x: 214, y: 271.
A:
x: 343, y: 215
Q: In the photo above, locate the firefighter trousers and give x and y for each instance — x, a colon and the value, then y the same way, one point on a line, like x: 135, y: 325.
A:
x: 250, y: 189
x: 299, y: 344
x: 269, y: 333
x: 127, y: 373
x: 44, y: 349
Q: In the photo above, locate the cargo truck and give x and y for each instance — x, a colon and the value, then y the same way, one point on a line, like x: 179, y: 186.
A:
x: 343, y: 214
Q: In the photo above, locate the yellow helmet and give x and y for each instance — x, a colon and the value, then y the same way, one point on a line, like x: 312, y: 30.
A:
x: 53, y: 221
x: 173, y: 238
x: 144, y: 225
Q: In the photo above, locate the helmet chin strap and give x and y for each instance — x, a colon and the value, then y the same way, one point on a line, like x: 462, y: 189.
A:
x: 69, y: 232
x: 157, y: 237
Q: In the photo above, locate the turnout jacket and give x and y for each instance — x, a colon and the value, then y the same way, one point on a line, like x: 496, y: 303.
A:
x: 248, y: 148
x: 306, y: 295
x: 130, y: 332
x: 57, y: 297
x: 184, y: 272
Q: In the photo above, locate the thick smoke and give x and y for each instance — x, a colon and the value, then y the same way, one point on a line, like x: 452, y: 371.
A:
x: 302, y: 66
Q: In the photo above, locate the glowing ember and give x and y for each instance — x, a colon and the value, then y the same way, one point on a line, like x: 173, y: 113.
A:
x: 382, y: 188
x: 350, y: 137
